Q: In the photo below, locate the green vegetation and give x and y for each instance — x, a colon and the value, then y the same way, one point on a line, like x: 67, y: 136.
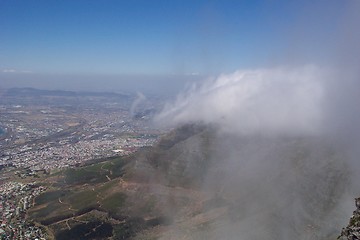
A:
x: 182, y: 133
x: 96, y: 193
x: 63, y: 201
x: 86, y: 231
x: 117, y: 168
x: 82, y: 199
x: 107, y: 186
x: 53, y: 210
x: 82, y: 175
x: 149, y: 205
x: 114, y: 201
x: 96, y: 173
x: 50, y: 196
x: 47, y: 210
x: 128, y: 229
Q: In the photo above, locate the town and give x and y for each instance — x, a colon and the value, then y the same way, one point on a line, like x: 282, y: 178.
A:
x: 48, y: 132
x: 42, y: 135
x: 15, y: 199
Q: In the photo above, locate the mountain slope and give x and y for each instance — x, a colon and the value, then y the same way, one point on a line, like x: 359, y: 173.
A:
x: 199, y: 183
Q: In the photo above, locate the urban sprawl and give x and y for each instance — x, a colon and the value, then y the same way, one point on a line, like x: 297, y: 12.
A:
x: 48, y: 133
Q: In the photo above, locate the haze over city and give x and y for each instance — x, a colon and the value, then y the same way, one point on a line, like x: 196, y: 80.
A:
x: 179, y: 119
x: 159, y: 46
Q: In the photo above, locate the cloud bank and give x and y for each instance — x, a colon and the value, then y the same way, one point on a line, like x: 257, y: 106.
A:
x: 267, y: 101
x: 286, y: 149
x: 300, y: 186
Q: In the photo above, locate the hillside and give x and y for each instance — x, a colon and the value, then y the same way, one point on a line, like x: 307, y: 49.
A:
x: 199, y: 183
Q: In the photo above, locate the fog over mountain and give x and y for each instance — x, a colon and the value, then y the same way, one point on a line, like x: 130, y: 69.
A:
x: 286, y: 147
x: 264, y: 139
x: 276, y: 151
x: 266, y: 101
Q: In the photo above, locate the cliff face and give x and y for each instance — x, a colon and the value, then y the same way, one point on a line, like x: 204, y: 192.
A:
x: 352, y: 231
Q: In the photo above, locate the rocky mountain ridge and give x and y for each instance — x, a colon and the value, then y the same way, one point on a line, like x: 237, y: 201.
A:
x: 352, y: 231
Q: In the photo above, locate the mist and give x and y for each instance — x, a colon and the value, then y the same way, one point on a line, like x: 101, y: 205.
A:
x: 148, y: 84
x: 280, y: 153
x: 266, y: 101
x: 286, y: 145
x: 138, y: 100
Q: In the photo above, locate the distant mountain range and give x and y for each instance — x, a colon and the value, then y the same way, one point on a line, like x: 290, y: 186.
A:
x: 31, y: 92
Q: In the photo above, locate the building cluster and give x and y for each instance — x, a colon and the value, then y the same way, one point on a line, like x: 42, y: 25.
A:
x: 57, y: 132
x: 39, y: 138
x: 66, y: 154
x: 28, y: 124
x: 15, y: 199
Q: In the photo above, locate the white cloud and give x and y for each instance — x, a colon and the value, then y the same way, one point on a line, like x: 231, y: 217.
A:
x: 26, y: 71
x: 11, y: 70
x: 8, y: 70
x: 279, y: 100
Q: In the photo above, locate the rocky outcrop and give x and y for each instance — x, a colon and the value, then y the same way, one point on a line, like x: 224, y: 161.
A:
x: 352, y: 231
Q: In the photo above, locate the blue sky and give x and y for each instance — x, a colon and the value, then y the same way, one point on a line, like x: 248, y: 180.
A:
x: 154, y: 37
